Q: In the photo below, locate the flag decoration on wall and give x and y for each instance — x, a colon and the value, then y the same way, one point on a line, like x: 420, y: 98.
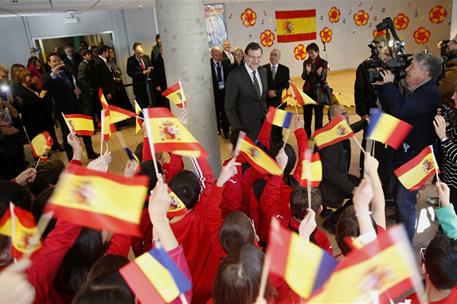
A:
x: 256, y: 157
x: 314, y: 167
x: 335, y: 131
x: 387, y: 129
x: 41, y: 144
x: 415, y: 173
x: 167, y: 134
x: 99, y: 200
x: 155, y: 278
x: 303, y: 265
x: 296, y: 25
x: 279, y: 117
x: 175, y: 94
x: 82, y: 125
x: 20, y: 226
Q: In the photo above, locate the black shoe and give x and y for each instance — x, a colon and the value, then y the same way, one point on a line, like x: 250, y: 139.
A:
x: 92, y: 155
x: 329, y: 225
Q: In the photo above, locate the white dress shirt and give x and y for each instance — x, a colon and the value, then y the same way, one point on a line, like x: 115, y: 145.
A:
x: 259, y: 80
x: 230, y: 56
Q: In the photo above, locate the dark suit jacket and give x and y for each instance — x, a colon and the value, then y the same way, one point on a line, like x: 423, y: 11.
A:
x: 417, y: 108
x: 364, y: 92
x: 73, y: 64
x: 104, y: 77
x: 225, y: 71
x: 278, y: 84
x: 86, y: 79
x: 63, y: 93
x: 245, y: 110
x: 225, y: 57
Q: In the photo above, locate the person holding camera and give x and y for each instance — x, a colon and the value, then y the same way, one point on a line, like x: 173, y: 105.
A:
x: 417, y: 107
x: 315, y: 76
x: 447, y: 84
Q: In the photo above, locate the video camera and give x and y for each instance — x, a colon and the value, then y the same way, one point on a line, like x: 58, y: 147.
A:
x: 398, y: 62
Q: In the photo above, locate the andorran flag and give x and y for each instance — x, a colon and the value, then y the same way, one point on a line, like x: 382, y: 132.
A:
x: 138, y: 120
x: 103, y: 201
x: 300, y: 97
x: 415, y: 173
x: 387, y: 129
x: 335, y: 131
x: 176, y: 95
x: 105, y: 105
x: 303, y: 265
x: 279, y: 117
x: 296, y: 25
x: 82, y: 125
x: 167, y: 134
x: 118, y: 114
x: 312, y: 170
x: 41, y: 144
x: 20, y: 225
x: 177, y: 206
x: 155, y: 278
x: 256, y: 157
x: 382, y: 271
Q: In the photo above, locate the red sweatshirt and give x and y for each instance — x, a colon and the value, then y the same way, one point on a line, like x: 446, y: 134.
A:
x: 169, y: 169
x: 232, y: 194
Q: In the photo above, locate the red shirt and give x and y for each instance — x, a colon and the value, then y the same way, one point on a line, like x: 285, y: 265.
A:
x: 450, y: 299
x: 232, y: 194
x: 169, y: 169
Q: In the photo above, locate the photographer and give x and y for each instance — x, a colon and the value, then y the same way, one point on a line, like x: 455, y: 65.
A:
x: 447, y: 84
x: 416, y: 107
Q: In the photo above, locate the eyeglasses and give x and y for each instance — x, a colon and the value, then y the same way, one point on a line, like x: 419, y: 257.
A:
x: 259, y: 58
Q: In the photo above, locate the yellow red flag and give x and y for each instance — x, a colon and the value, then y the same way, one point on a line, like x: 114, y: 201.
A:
x: 118, y: 114
x: 313, y: 168
x: 82, y: 125
x: 175, y: 94
x: 296, y: 25
x: 335, y: 131
x: 300, y: 97
x: 41, y: 144
x: 105, y: 105
x: 138, y: 120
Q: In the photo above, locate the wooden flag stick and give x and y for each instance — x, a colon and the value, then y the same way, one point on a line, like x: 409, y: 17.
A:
x: 41, y: 227
x: 23, y: 128
x: 436, y: 165
x: 286, y: 138
x: 102, y: 135
x: 183, y: 299
x: 264, y: 278
x: 151, y: 141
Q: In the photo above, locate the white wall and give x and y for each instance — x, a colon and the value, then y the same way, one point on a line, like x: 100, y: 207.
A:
x: 349, y: 41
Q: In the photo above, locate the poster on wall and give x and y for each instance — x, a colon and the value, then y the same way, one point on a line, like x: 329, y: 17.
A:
x: 295, y: 25
x: 215, y: 24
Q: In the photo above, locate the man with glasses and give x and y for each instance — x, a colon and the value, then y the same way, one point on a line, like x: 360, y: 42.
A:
x: 246, y: 93
x: 447, y: 84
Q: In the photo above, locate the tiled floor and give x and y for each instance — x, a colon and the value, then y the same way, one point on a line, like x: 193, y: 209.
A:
x: 342, y: 82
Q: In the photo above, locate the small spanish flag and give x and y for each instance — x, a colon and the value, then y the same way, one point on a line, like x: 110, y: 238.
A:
x: 335, y: 131
x: 105, y: 105
x: 279, y: 117
x: 20, y: 225
x: 82, y: 125
x: 304, y: 266
x: 41, y: 144
x: 387, y: 129
x: 99, y: 200
x: 177, y: 206
x: 105, y: 125
x: 312, y: 167
x: 382, y: 271
x: 155, y: 278
x: 256, y: 157
x: 286, y: 97
x: 167, y: 134
x: 415, y: 173
x: 295, y: 25
x: 138, y: 120
x: 176, y: 94
x: 118, y: 114
x: 300, y: 97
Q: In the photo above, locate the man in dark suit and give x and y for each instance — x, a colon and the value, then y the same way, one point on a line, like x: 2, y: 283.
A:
x: 88, y: 84
x: 59, y: 83
x: 219, y: 72
x: 246, y: 93
x: 418, y: 108
x: 71, y: 60
x: 278, y: 77
x: 104, y: 74
x: 139, y: 68
x: 227, y: 55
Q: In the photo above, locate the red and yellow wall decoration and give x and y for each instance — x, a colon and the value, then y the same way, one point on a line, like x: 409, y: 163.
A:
x: 248, y: 17
x: 300, y: 52
x: 267, y: 38
x: 326, y: 35
x: 377, y: 33
x: 334, y: 14
x: 421, y: 35
x: 401, y: 21
x: 437, y: 14
x: 361, y: 18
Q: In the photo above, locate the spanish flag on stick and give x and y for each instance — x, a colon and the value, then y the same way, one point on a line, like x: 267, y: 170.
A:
x: 387, y: 129
x: 176, y: 95
x: 99, y: 200
x: 287, y: 97
x: 279, y: 117
x: 415, y: 173
x: 118, y: 114
x: 82, y: 125
x: 383, y: 271
x: 304, y: 266
x: 296, y: 25
x: 105, y: 105
x: 155, y: 278
x: 300, y: 97
x: 335, y: 131
x: 256, y: 157
x: 177, y: 206
x: 138, y: 120
x: 167, y: 134
x: 313, y: 167
x: 20, y: 225
x: 41, y: 144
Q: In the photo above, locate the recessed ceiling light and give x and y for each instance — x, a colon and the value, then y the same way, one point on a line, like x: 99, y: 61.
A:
x: 140, y: 6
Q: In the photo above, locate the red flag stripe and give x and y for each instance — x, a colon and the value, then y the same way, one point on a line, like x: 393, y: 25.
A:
x: 296, y: 37
x: 78, y: 116
x: 121, y: 110
x: 79, y: 170
x: 137, y: 280
x: 413, y: 162
x: 295, y: 14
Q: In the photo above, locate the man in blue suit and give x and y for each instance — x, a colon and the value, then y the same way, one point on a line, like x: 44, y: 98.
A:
x: 417, y: 106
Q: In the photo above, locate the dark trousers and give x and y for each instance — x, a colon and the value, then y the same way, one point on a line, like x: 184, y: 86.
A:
x: 308, y: 116
x: 12, y: 156
x: 406, y: 208
x: 144, y: 95
x: 68, y: 149
x: 453, y: 197
x: 221, y: 119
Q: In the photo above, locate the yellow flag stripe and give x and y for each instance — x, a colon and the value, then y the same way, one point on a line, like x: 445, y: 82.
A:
x: 298, y: 25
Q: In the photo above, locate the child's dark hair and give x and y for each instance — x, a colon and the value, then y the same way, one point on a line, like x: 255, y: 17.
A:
x: 236, y: 231
x: 47, y: 174
x: 147, y: 168
x: 291, y: 156
x: 440, y: 260
x: 299, y: 201
x: 312, y: 47
x: 186, y: 186
x: 105, y: 265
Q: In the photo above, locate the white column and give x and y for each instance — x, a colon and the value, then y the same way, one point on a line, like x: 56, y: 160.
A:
x: 454, y: 19
x: 186, y: 56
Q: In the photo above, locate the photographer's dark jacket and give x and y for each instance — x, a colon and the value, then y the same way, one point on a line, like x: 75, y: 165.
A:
x: 364, y: 92
x: 447, y: 84
x: 418, y: 108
